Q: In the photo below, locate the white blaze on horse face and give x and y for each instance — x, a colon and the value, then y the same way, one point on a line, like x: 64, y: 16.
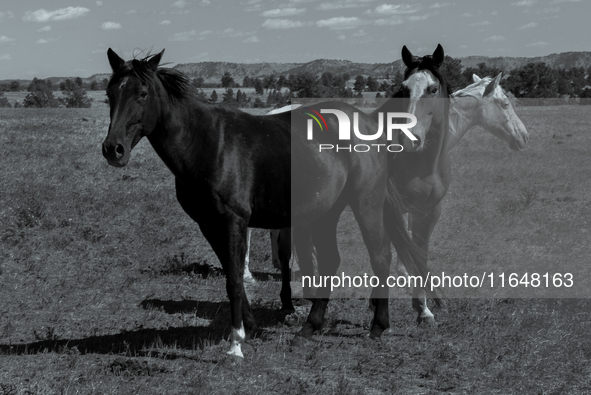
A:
x: 423, y: 88
x: 236, y: 340
x: 123, y: 83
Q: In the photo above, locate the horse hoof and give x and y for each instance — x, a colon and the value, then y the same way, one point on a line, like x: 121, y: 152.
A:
x: 287, y: 310
x: 426, y: 320
x: 306, y: 332
x: 236, y: 353
x: 375, y: 333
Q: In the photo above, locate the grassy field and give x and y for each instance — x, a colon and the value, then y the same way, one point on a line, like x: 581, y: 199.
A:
x: 107, y: 287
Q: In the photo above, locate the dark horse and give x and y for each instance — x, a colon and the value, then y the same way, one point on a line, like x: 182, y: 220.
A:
x: 234, y: 170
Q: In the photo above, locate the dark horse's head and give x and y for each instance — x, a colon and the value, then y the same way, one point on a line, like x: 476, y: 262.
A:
x: 426, y: 92
x: 137, y: 91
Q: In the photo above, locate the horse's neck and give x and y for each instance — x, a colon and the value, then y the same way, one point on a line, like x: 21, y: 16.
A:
x: 181, y: 135
x: 462, y: 118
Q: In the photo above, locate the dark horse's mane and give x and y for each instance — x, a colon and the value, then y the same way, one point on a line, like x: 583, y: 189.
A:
x: 174, y: 82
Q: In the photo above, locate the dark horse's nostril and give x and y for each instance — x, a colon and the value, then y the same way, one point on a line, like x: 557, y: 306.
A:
x: 119, y: 151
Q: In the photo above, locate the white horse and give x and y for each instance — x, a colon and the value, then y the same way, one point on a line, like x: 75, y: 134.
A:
x: 483, y: 103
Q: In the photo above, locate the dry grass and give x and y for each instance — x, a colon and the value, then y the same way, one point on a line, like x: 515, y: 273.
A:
x: 108, y: 287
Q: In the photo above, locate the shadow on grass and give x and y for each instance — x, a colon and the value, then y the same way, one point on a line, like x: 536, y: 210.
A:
x: 153, y: 341
x: 177, y: 265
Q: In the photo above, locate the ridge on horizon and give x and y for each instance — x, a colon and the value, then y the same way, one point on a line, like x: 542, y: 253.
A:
x: 211, y: 71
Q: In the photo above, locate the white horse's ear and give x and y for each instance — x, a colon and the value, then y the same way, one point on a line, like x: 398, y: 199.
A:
x: 490, y: 88
x: 475, y: 78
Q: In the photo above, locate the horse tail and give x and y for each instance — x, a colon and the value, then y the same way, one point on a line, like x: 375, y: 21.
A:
x: 412, y: 257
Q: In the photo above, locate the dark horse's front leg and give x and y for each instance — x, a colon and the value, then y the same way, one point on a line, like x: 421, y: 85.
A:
x: 423, y: 224
x: 226, y: 233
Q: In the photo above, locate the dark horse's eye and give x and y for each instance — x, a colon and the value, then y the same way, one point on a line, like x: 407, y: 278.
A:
x: 143, y: 95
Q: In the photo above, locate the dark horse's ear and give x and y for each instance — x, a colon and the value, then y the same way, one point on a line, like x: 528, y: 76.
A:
x: 438, y: 56
x: 114, y: 60
x: 406, y: 56
x: 154, y: 61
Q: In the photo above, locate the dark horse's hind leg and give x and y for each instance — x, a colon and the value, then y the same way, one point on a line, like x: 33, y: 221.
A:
x: 304, y: 251
x: 324, y: 235
x: 227, y: 236
x: 284, y: 252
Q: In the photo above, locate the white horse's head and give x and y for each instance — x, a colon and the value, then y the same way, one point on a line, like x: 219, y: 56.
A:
x: 496, y: 114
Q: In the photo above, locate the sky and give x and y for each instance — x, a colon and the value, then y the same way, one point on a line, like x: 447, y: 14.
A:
x: 66, y: 38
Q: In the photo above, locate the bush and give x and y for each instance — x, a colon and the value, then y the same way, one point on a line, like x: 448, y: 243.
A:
x: 75, y: 95
x: 4, y: 103
x: 40, y: 94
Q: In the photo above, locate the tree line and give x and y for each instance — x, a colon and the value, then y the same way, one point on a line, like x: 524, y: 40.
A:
x: 533, y: 80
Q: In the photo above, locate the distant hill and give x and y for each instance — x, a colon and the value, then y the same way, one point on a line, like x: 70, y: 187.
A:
x: 564, y: 60
x: 212, y: 72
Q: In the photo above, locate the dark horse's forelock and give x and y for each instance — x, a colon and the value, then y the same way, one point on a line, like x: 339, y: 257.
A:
x: 174, y: 82
x: 426, y: 63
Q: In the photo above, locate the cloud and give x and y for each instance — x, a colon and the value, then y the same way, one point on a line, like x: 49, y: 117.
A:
x: 190, y: 35
x: 467, y: 15
x: 528, y: 26
x: 7, y: 14
x: 342, y: 5
x: 165, y: 22
x: 45, y: 41
x: 341, y: 37
x: 525, y: 3
x: 110, y: 26
x: 99, y: 3
x: 439, y: 5
x: 283, y: 24
x: 4, y: 39
x: 6, y: 57
x: 230, y: 32
x: 495, y: 38
x: 483, y: 23
x: 282, y: 12
x: 340, y: 22
x: 414, y: 18
x: 360, y: 33
x: 179, y: 4
x: 394, y: 9
x: 393, y: 21
x: 564, y: 1
x: 45, y: 29
x: 551, y: 9
x: 58, y: 15
x: 537, y: 44
x: 253, y: 39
